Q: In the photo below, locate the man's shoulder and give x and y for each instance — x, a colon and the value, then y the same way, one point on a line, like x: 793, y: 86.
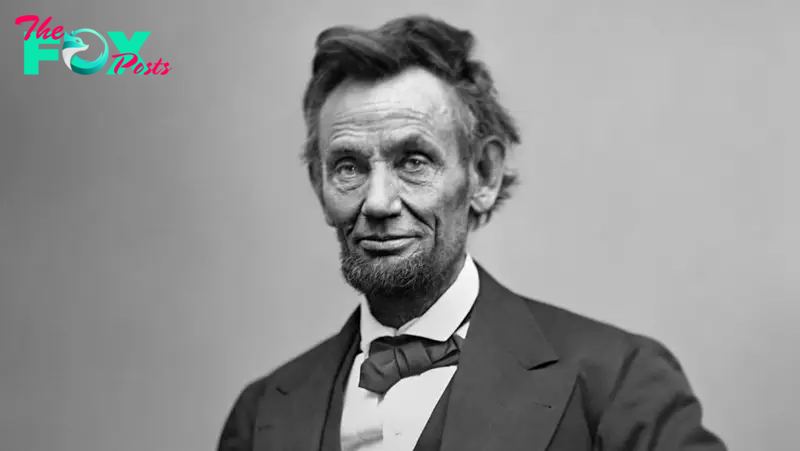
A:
x: 612, y: 364
x: 584, y: 340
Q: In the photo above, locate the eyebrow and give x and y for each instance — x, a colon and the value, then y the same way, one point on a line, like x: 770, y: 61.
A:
x: 413, y: 141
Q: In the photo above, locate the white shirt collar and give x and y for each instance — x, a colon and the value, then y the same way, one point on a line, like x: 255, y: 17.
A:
x: 440, y: 322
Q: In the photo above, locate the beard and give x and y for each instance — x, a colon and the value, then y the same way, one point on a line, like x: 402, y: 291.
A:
x: 399, y: 289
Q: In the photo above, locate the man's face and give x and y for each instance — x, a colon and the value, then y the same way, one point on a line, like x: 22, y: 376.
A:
x: 393, y: 183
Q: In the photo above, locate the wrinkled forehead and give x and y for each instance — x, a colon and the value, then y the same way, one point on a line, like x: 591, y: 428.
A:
x: 413, y: 102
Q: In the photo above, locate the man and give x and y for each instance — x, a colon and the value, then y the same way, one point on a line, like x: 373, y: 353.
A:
x: 406, y: 153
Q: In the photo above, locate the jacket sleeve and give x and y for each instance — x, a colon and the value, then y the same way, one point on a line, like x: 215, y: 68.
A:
x: 237, y: 431
x: 652, y: 406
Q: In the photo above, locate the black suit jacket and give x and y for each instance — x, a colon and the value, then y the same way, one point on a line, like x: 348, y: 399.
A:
x: 531, y: 377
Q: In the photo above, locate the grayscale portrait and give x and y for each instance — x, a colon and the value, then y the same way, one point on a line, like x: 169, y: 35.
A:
x: 406, y: 153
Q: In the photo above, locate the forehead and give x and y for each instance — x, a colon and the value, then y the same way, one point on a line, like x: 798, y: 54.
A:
x: 413, y: 99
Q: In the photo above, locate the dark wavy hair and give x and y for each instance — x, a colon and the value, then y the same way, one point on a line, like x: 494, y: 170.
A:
x: 347, y: 52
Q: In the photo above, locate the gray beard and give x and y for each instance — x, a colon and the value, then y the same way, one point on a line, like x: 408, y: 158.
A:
x: 402, y: 291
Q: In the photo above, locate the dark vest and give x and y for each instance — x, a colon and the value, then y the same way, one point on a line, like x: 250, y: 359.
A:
x: 429, y: 440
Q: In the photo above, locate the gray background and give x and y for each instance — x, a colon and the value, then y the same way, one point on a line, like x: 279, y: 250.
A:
x: 160, y: 245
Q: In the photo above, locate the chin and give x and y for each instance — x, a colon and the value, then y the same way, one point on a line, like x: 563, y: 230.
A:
x: 387, y: 262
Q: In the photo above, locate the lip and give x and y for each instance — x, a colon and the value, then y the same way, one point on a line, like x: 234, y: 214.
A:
x: 385, y: 243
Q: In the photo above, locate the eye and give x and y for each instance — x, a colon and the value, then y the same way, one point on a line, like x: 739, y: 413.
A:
x: 414, y: 163
x: 346, y: 168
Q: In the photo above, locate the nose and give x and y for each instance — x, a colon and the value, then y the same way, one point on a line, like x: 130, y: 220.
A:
x: 382, y: 200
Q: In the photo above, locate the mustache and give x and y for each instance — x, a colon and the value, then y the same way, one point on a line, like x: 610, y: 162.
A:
x: 383, y: 236
x: 358, y: 232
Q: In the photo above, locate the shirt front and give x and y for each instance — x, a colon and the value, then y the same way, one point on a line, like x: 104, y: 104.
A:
x: 394, y: 421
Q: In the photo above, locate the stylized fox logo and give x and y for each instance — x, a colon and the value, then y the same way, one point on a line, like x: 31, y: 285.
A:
x: 72, y: 45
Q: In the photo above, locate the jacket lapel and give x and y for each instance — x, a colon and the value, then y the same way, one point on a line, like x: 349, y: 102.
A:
x: 292, y: 412
x: 509, y: 391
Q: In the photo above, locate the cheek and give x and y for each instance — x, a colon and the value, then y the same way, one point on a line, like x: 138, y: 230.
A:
x: 343, y: 208
x: 455, y: 196
x: 446, y: 206
x: 455, y: 214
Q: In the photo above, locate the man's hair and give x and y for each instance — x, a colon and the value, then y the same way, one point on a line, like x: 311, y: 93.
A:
x: 346, y: 52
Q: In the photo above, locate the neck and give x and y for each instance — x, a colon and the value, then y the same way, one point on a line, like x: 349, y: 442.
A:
x: 395, y: 311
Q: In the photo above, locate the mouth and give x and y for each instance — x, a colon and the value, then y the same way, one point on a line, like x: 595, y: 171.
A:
x: 385, y: 244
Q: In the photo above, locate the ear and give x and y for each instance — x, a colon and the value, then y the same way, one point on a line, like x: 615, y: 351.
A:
x: 315, y: 177
x: 486, y: 173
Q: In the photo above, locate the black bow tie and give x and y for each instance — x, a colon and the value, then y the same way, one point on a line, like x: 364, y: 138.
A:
x: 393, y: 358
